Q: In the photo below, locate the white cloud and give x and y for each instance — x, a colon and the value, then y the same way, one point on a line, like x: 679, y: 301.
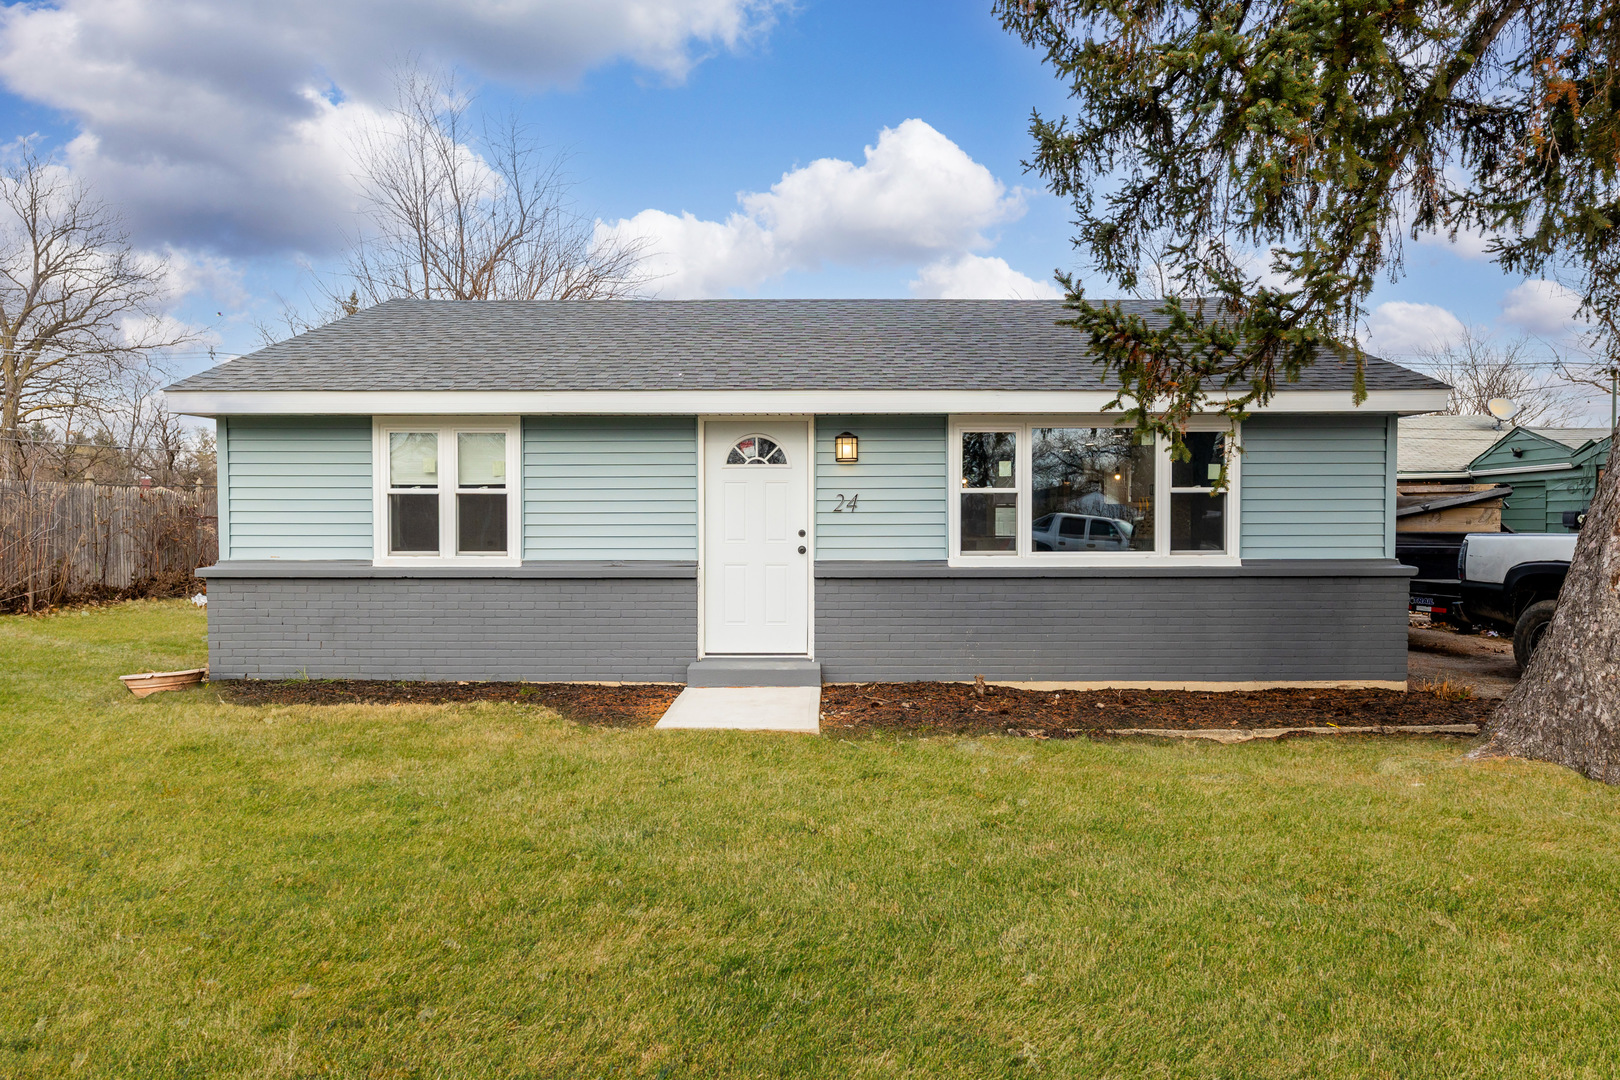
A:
x: 224, y: 124
x: 917, y: 196
x: 1544, y: 308
x: 1398, y: 328
x: 687, y: 257
x: 1473, y: 246
x: 978, y: 277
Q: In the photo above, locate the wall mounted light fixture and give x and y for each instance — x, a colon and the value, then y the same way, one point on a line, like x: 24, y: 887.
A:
x: 846, y: 449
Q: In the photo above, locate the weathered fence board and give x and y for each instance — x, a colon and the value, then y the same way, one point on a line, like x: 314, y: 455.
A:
x: 59, y: 540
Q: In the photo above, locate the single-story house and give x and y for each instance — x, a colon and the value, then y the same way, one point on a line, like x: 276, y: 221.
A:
x: 1553, y: 471
x: 747, y: 491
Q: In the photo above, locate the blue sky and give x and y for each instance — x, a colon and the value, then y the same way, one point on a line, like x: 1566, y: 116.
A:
x: 220, y: 132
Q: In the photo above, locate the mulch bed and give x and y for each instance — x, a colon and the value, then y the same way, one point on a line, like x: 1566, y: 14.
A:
x: 922, y: 708
x: 638, y: 705
x: 956, y: 709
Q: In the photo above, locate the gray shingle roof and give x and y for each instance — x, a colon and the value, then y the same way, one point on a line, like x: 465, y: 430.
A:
x: 700, y: 345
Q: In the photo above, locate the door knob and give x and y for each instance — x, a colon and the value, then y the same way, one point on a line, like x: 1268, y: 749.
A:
x: 801, y: 534
x: 801, y: 549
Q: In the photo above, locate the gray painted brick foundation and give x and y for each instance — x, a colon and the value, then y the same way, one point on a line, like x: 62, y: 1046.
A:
x: 1082, y: 629
x: 1290, y: 621
x: 538, y: 629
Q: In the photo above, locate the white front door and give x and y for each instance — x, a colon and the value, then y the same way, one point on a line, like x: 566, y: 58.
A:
x: 756, y: 562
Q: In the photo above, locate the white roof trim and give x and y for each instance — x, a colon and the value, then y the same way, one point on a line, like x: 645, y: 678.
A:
x: 1523, y: 469
x: 729, y: 402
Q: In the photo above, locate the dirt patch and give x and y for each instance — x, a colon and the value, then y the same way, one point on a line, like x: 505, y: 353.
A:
x: 955, y: 708
x: 638, y: 705
x: 918, y: 708
x: 1441, y: 656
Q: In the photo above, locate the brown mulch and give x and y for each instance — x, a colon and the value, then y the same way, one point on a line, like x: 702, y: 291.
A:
x: 921, y: 708
x: 638, y: 705
x: 955, y: 708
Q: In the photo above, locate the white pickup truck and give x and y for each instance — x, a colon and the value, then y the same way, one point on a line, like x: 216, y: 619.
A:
x: 1511, y: 581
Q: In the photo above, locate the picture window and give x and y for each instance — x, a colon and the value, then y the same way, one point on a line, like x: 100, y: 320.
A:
x: 1043, y: 491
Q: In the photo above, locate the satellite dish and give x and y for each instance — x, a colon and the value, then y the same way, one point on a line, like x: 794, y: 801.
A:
x: 1502, y: 408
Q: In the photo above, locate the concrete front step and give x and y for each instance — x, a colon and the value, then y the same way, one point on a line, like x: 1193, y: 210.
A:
x: 745, y: 708
x: 753, y: 671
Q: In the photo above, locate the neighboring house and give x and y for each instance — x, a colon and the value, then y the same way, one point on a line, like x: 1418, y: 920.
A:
x: 1553, y: 471
x: 761, y: 490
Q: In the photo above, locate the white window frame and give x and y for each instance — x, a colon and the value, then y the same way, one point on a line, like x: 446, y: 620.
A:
x: 447, y: 428
x: 1022, y: 426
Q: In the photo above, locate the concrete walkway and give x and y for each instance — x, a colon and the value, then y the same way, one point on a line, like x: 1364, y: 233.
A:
x: 746, y: 708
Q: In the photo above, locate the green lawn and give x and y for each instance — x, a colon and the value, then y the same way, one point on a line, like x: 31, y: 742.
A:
x: 189, y: 888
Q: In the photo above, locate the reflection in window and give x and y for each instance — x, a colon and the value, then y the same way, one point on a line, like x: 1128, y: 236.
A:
x: 1203, y: 469
x: 413, y: 513
x: 988, y: 459
x: 413, y: 459
x: 989, y: 523
x: 481, y: 511
x: 470, y: 510
x: 1197, y: 510
x: 1197, y: 521
x: 989, y: 501
x: 1091, y: 490
x: 756, y: 450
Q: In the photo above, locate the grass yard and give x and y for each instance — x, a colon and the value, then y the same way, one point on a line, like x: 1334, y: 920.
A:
x: 190, y: 888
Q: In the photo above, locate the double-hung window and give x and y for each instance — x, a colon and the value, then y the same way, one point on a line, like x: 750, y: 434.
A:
x: 447, y: 491
x: 1197, y: 508
x: 1084, y: 490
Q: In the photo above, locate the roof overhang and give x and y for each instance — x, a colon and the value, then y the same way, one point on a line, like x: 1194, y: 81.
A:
x: 1433, y: 474
x: 738, y: 402
x: 1522, y: 469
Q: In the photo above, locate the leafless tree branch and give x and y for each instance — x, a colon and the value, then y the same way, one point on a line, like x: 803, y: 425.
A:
x: 79, y: 307
x: 458, y: 214
x: 1481, y: 369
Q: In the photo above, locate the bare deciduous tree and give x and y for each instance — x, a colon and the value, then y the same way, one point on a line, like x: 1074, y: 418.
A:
x: 1480, y: 369
x: 458, y: 214
x: 78, y: 306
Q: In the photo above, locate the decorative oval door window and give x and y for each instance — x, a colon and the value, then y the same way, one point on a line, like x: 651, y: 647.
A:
x: 756, y: 450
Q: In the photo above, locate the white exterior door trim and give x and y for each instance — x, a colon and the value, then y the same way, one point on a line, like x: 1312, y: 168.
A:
x: 703, y: 496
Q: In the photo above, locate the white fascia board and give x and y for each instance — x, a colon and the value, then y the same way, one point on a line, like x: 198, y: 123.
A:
x: 1415, y: 477
x: 732, y: 402
x: 1522, y: 469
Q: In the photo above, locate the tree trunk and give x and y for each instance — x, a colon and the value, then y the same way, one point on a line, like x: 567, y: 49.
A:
x: 1566, y: 708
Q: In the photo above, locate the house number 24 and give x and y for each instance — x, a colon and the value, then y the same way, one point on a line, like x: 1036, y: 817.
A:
x: 846, y: 504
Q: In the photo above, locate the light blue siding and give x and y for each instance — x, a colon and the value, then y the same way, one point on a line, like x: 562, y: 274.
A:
x: 1316, y: 487
x: 610, y: 487
x: 296, y: 487
x: 900, y: 481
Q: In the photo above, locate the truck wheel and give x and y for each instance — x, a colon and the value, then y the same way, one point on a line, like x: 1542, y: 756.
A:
x: 1527, y: 633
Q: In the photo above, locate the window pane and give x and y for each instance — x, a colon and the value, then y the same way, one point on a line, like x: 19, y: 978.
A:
x: 1097, y: 474
x: 413, y: 460
x: 481, y: 524
x: 1198, y: 522
x: 1204, y: 470
x: 413, y: 524
x: 987, y: 459
x: 989, y: 524
x: 481, y: 459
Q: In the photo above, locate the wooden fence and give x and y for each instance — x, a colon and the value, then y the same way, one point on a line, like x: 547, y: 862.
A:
x: 64, y: 540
